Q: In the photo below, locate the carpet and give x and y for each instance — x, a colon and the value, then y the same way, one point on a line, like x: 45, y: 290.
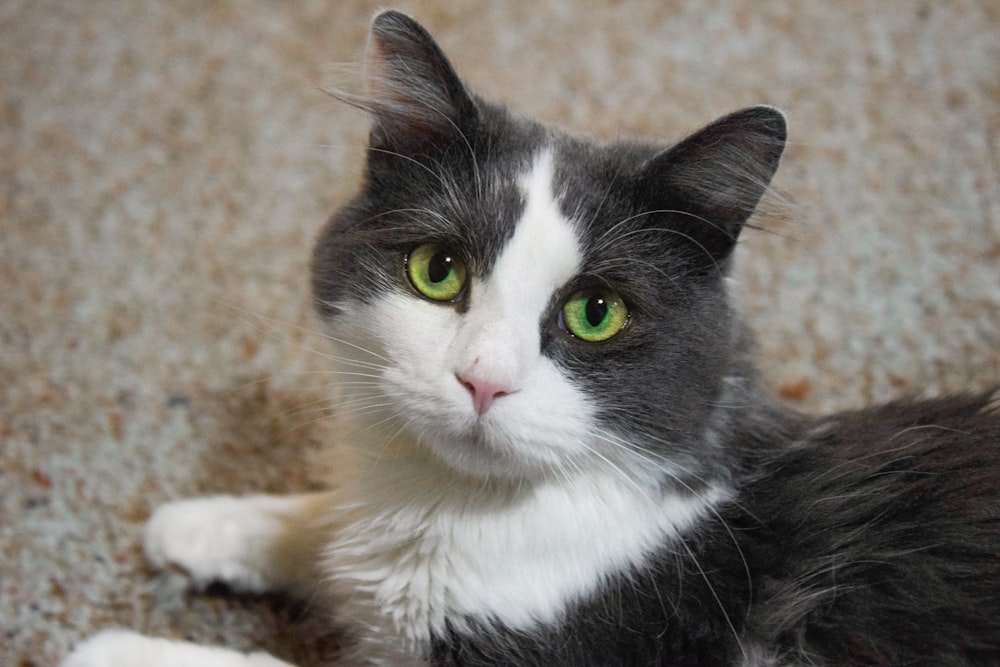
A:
x: 165, y: 167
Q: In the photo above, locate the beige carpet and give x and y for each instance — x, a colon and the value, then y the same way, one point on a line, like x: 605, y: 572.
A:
x: 164, y: 167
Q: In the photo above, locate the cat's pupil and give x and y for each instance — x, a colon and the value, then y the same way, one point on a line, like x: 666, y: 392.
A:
x: 439, y: 267
x: 597, y: 309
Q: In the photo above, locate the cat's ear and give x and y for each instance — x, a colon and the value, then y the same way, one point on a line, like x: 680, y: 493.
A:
x: 714, y: 179
x: 414, y: 95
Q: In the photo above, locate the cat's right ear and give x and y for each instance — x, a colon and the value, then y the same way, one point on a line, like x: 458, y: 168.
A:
x: 416, y: 99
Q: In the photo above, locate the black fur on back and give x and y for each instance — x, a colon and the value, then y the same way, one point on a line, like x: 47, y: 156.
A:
x: 877, y: 537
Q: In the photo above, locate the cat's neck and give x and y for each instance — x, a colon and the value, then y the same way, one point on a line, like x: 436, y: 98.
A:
x: 514, y: 550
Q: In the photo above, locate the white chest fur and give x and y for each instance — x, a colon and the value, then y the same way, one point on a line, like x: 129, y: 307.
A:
x: 462, y: 548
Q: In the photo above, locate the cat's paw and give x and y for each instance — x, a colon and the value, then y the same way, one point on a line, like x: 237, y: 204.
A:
x: 111, y: 648
x: 119, y: 648
x: 216, y: 539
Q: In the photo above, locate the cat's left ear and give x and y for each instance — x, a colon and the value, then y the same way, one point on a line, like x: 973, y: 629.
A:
x: 714, y: 179
x: 418, y: 102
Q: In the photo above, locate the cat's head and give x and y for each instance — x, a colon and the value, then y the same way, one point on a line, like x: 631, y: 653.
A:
x: 537, y: 304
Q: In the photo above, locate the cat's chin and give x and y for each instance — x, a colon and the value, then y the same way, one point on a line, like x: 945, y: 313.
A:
x: 481, y: 451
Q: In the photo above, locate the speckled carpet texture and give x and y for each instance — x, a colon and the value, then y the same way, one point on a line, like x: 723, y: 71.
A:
x: 165, y: 167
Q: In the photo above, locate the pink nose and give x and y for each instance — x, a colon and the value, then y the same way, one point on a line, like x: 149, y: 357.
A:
x: 484, y: 392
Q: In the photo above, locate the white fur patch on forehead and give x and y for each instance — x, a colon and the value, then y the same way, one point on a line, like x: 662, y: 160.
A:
x: 544, y: 252
x: 500, y: 333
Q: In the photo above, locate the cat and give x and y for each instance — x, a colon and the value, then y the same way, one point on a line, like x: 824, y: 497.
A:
x: 578, y: 464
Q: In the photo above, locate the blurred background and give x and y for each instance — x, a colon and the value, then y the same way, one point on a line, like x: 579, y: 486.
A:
x: 165, y: 167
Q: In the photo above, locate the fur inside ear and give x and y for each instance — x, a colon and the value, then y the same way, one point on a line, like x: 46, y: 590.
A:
x: 413, y: 93
x: 712, y: 181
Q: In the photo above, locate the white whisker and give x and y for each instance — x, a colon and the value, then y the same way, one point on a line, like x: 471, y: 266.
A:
x: 715, y: 595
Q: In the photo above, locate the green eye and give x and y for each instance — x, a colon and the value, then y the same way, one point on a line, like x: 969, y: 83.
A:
x: 594, y: 315
x: 436, y: 272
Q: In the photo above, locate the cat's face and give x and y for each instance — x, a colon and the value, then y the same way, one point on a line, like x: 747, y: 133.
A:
x: 538, y: 305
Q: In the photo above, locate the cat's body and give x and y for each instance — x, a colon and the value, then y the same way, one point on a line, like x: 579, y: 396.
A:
x: 562, y: 455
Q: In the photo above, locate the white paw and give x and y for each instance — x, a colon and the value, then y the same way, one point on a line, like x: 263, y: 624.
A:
x: 217, y: 539
x: 118, y: 648
x: 111, y: 648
